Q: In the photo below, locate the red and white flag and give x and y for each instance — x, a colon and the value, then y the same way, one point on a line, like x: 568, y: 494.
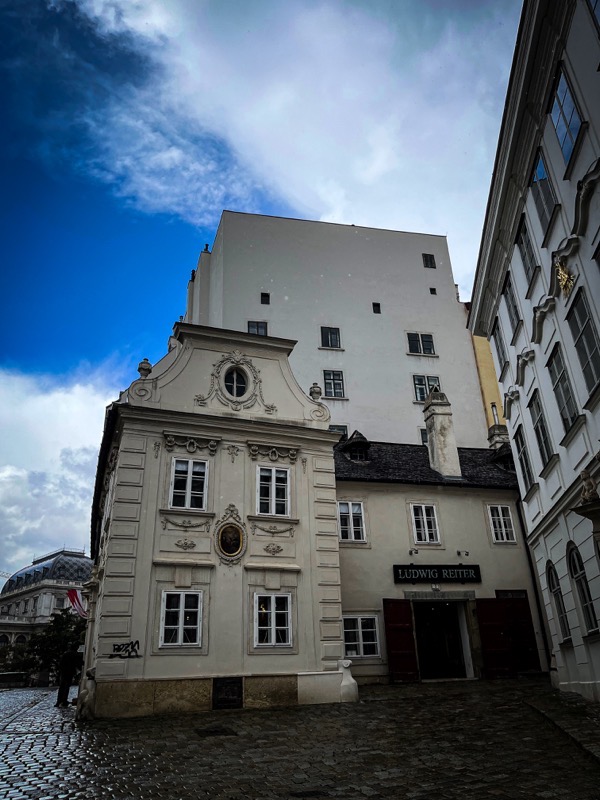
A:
x: 76, y: 601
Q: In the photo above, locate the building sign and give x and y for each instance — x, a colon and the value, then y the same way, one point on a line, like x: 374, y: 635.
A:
x: 437, y: 573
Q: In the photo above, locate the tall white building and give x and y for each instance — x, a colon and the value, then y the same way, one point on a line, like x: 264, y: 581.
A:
x: 374, y: 312
x: 537, y: 297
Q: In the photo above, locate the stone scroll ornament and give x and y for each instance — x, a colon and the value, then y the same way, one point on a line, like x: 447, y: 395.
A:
x: 254, y: 393
x: 231, y: 539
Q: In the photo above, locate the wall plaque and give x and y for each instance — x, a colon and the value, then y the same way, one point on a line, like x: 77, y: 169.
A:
x: 437, y: 573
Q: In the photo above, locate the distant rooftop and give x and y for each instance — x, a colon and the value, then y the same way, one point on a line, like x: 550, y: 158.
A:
x: 62, y: 565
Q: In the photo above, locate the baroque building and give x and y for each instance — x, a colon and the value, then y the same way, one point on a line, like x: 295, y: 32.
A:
x: 245, y: 551
x: 536, y: 297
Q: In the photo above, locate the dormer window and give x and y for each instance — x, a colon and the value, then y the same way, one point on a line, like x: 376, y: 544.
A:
x: 356, y: 448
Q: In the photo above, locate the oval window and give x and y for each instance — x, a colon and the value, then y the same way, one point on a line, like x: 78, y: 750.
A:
x: 230, y: 540
x: 236, y: 382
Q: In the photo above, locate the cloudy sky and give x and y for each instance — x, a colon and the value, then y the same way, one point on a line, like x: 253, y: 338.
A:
x: 133, y: 123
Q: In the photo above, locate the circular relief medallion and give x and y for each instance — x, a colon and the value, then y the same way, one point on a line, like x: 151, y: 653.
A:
x: 231, y: 540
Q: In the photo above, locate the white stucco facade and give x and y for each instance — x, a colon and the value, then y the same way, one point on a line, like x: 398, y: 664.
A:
x: 537, y: 297
x: 317, y: 275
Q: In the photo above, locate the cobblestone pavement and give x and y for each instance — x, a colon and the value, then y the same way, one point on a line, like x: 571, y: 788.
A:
x: 467, y: 740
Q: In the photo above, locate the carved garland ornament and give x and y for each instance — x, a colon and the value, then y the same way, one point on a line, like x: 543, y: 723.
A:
x: 231, y: 539
x: 186, y: 524
x: 273, y: 530
x: 191, y: 443
x: 273, y: 453
x: 250, y: 398
x: 272, y: 549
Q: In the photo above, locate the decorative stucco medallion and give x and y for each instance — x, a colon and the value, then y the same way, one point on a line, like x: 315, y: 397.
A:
x: 230, y: 536
x: 230, y: 540
x: 185, y: 544
x: 272, y: 549
x: 236, y: 383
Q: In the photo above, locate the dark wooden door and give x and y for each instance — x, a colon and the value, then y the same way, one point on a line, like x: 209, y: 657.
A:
x: 400, y: 641
x: 508, y: 643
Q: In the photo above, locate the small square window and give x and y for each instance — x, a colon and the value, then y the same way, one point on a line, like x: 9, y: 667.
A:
x: 423, y: 385
x: 421, y: 343
x: 377, y: 308
x: 265, y: 298
x: 330, y: 337
x: 432, y: 290
x: 258, y: 328
x: 360, y: 637
x: 334, y: 383
x: 428, y: 260
x: 342, y: 429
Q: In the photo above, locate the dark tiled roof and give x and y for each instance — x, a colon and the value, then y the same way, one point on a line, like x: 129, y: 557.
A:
x: 409, y: 463
x: 62, y: 566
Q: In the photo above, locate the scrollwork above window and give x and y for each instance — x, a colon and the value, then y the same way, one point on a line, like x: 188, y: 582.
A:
x: 524, y: 358
x: 540, y: 313
x: 511, y: 396
x: 239, y: 396
x: 192, y: 444
x: 273, y: 453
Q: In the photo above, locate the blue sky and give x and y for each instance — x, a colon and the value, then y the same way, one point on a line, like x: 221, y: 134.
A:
x: 130, y: 124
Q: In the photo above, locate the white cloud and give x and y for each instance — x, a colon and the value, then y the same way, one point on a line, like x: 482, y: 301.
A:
x: 384, y: 114
x: 48, y: 453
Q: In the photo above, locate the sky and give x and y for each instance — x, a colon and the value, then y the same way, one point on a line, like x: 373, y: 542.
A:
x: 129, y: 125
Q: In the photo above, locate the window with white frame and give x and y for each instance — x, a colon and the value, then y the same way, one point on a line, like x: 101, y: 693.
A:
x: 425, y: 527
x: 424, y: 384
x: 585, y: 337
x: 351, y: 521
x: 558, y: 601
x: 543, y: 193
x: 188, y: 484
x: 540, y: 427
x: 526, y: 251
x: 360, y: 637
x: 273, y: 491
x: 421, y: 343
x: 272, y: 620
x: 330, y: 337
x: 334, y: 383
x: 565, y: 117
x: 577, y: 572
x: 511, y: 304
x: 502, y: 525
x: 500, y: 346
x: 563, y: 392
x: 523, y: 458
x: 181, y: 619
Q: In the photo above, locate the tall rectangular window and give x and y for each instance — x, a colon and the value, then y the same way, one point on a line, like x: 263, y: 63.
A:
x: 500, y: 346
x: 561, y: 384
x: 272, y: 620
x: 351, y: 520
x: 565, y: 118
x: 273, y: 491
x: 526, y: 251
x: 511, y: 304
x: 188, y: 484
x: 523, y: 458
x: 334, y: 383
x: 424, y: 384
x: 543, y: 193
x: 585, y: 337
x: 428, y: 260
x: 502, y: 526
x: 330, y: 337
x: 425, y: 527
x: 181, y: 619
x: 421, y: 343
x: 360, y: 637
x: 540, y: 427
x: 258, y: 328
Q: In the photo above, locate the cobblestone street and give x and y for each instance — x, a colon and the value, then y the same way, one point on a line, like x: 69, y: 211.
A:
x: 512, y: 739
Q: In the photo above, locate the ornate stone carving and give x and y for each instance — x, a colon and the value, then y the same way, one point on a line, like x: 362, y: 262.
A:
x: 272, y: 548
x: 192, y: 444
x: 304, y: 460
x: 185, y: 544
x: 231, y: 539
x: 320, y: 413
x: 564, y: 277
x: 509, y: 398
x: 233, y: 451
x: 186, y: 524
x: 156, y: 448
x: 273, y: 530
x: 539, y: 315
x: 253, y: 393
x: 523, y: 359
x: 589, y: 492
x: 144, y: 368
x: 315, y: 392
x: 272, y: 453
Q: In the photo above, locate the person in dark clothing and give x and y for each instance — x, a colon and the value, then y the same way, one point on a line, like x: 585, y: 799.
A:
x: 69, y: 663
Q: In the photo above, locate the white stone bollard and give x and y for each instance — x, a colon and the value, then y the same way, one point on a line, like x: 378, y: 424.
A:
x: 348, y: 687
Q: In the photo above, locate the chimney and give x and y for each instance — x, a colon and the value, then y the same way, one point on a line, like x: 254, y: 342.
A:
x: 497, y: 436
x: 441, y: 443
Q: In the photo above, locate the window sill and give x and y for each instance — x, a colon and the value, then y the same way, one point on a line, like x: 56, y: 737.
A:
x: 567, y: 644
x: 548, y: 233
x: 549, y: 466
x: 576, y: 148
x: 274, y: 517
x: 423, y: 355
x: 593, y: 399
x: 505, y: 543
x: 195, y: 512
x: 573, y: 431
x: 327, y: 397
x: 335, y: 349
x: 532, y: 282
x: 427, y: 545
x: 359, y: 544
x: 592, y: 636
x: 530, y: 492
x: 516, y: 332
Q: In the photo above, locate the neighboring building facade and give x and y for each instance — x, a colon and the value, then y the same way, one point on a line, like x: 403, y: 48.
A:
x: 32, y: 595
x: 374, y: 312
x: 537, y: 297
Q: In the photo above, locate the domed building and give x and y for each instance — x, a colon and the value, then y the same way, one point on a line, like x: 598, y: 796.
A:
x: 32, y: 595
